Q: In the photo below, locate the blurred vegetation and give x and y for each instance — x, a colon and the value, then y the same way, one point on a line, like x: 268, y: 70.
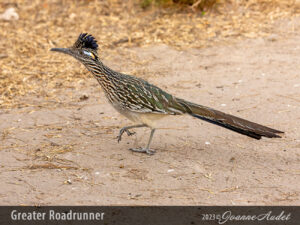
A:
x: 27, y: 67
x: 202, y: 5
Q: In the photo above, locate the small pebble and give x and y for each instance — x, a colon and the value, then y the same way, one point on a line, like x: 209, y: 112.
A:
x: 72, y: 16
x: 84, y: 97
x: 68, y: 181
x: 9, y: 14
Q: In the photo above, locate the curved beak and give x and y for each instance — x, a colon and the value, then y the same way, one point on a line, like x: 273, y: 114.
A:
x: 63, y: 50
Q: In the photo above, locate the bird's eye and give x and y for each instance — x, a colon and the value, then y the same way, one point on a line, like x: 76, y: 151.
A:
x: 89, y: 54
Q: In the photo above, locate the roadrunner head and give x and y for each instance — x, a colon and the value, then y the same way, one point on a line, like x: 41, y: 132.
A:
x: 84, y: 49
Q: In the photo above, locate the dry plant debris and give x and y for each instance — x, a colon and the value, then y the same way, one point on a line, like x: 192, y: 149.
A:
x: 28, y: 68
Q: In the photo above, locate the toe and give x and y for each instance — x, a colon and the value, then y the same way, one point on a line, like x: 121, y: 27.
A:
x: 150, y: 152
x: 131, y: 133
x: 137, y: 149
x: 143, y: 150
x: 118, y: 138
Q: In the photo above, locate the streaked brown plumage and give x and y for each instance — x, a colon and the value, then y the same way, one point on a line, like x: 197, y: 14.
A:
x: 144, y: 103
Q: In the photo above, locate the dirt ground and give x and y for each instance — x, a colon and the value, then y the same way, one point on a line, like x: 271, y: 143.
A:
x: 65, y: 152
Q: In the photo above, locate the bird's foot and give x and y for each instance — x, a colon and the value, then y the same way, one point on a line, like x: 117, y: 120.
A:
x: 143, y: 150
x: 124, y: 129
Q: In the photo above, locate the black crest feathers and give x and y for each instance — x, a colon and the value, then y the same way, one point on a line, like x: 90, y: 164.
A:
x: 86, y: 40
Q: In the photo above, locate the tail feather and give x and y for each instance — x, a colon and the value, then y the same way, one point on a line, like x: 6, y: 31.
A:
x: 230, y: 122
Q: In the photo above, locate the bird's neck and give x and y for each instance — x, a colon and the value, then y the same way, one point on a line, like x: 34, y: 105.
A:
x: 98, y: 69
x: 101, y: 72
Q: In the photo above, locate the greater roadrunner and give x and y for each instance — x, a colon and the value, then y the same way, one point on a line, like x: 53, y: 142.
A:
x: 144, y: 103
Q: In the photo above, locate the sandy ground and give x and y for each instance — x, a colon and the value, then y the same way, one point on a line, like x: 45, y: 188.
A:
x: 65, y: 152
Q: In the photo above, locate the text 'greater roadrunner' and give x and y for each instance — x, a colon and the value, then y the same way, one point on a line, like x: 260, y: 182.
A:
x: 144, y: 103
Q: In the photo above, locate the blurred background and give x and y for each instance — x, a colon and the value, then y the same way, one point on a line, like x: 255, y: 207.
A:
x: 58, y: 133
x: 30, y: 28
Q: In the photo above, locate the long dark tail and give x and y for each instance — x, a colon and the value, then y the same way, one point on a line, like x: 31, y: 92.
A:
x: 230, y: 122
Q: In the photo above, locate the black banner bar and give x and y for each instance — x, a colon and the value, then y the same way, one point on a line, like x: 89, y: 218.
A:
x: 153, y: 215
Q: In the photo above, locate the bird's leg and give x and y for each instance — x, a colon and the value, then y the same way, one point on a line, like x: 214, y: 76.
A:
x: 147, y: 149
x: 126, y: 129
